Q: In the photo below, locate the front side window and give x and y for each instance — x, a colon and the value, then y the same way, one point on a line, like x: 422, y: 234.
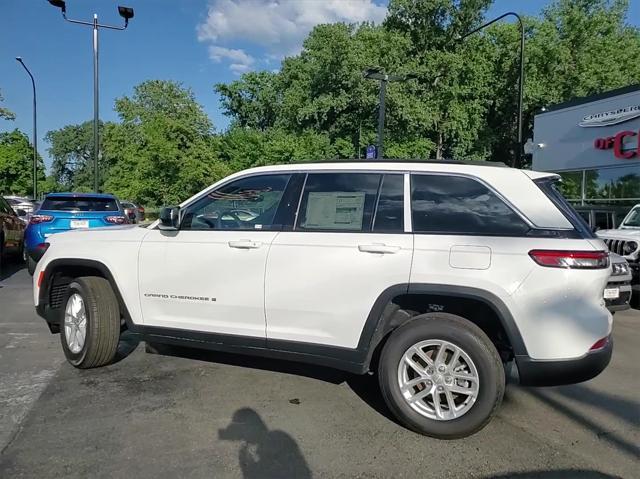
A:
x: 338, y: 202
x: 245, y: 204
x: 458, y: 205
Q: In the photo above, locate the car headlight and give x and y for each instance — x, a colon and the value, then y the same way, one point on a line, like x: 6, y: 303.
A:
x: 629, y: 247
x: 620, y: 269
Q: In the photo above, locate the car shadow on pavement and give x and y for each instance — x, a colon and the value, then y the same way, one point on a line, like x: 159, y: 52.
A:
x: 364, y: 386
x: 264, y: 453
x: 127, y: 344
x: 628, y: 411
x: 9, y: 267
x: 546, y: 396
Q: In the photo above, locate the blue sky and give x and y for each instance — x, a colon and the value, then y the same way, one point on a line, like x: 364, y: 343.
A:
x: 196, y: 42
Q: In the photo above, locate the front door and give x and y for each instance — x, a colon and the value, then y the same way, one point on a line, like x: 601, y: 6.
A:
x: 209, y: 275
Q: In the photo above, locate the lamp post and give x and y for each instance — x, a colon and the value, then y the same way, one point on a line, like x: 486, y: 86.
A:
x: 35, y: 130
x: 384, y: 78
x: 127, y: 14
x: 518, y: 159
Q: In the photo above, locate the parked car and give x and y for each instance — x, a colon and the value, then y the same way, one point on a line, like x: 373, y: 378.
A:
x: 433, y: 275
x: 134, y: 212
x: 21, y: 202
x: 625, y: 241
x: 617, y: 294
x: 23, y: 206
x: 11, y: 231
x: 601, y: 217
x: 61, y: 212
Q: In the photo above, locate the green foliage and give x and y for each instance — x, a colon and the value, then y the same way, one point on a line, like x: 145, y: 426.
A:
x: 72, y: 151
x: 16, y: 164
x: 4, y: 113
x: 163, y: 150
x: 461, y: 102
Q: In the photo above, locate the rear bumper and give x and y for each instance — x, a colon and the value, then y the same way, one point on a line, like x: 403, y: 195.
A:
x: 535, y: 372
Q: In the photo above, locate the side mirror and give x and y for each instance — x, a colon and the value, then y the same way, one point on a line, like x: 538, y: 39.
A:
x: 169, y: 218
x: 21, y: 212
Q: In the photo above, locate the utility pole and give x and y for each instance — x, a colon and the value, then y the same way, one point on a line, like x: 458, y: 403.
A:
x: 127, y: 14
x: 384, y: 78
x: 519, y: 154
x: 35, y: 130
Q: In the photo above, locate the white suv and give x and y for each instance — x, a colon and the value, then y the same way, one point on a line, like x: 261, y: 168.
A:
x: 435, y: 275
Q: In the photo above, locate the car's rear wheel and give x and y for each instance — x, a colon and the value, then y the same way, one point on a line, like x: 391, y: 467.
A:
x: 90, y: 323
x: 441, y: 376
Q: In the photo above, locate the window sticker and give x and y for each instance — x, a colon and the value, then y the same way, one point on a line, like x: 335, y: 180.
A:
x: 335, y: 210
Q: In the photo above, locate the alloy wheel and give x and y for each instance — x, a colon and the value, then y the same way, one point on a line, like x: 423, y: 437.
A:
x: 438, y: 380
x: 75, y: 323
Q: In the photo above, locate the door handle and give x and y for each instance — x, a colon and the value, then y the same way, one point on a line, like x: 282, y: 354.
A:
x: 245, y: 244
x: 378, y: 248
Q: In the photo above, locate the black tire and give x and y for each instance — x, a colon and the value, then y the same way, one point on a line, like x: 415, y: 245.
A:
x: 31, y: 265
x: 103, y: 323
x: 474, y: 342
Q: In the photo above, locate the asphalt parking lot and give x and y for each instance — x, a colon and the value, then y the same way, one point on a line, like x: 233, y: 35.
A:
x: 199, y: 414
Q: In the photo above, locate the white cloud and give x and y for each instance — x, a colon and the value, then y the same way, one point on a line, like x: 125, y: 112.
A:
x: 278, y: 27
x: 241, y: 61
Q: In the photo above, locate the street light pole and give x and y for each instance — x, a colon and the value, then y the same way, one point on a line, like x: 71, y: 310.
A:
x: 35, y: 130
x: 518, y: 159
x: 381, y: 113
x: 127, y: 14
x: 384, y: 78
x: 96, y: 105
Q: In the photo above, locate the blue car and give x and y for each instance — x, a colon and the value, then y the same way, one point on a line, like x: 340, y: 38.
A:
x: 66, y: 211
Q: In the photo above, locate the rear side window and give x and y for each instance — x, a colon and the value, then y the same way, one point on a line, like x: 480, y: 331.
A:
x: 338, y: 202
x: 459, y: 205
x: 70, y: 203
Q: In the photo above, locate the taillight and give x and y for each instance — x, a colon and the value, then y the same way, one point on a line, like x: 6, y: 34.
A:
x: 570, y: 259
x: 599, y: 344
x: 39, y: 250
x: 117, y: 220
x: 37, y: 219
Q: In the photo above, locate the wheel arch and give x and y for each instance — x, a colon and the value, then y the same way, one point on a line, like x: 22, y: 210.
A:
x: 399, y: 303
x: 60, y: 272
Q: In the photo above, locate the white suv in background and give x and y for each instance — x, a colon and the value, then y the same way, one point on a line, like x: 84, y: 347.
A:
x: 435, y: 275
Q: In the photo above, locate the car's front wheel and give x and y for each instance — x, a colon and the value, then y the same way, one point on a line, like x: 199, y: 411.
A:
x: 441, y: 376
x: 90, y: 323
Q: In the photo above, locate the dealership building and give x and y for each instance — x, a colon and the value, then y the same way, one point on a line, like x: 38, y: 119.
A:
x: 594, y: 144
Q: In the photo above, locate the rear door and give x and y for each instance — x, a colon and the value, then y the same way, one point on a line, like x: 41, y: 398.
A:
x: 349, y: 244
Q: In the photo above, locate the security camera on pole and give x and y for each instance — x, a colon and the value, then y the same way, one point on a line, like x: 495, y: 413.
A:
x: 127, y: 14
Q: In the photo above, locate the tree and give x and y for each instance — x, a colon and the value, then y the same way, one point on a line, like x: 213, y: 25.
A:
x: 16, y: 164
x: 577, y: 48
x: 72, y: 151
x: 163, y: 150
x: 251, y: 101
x: 4, y: 113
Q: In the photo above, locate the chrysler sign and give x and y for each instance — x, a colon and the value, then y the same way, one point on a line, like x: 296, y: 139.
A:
x: 612, y: 117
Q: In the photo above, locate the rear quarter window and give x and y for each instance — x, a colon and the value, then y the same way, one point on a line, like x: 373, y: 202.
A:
x: 445, y: 204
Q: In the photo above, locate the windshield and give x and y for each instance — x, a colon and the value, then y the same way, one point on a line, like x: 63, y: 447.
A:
x: 70, y: 203
x: 632, y: 220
